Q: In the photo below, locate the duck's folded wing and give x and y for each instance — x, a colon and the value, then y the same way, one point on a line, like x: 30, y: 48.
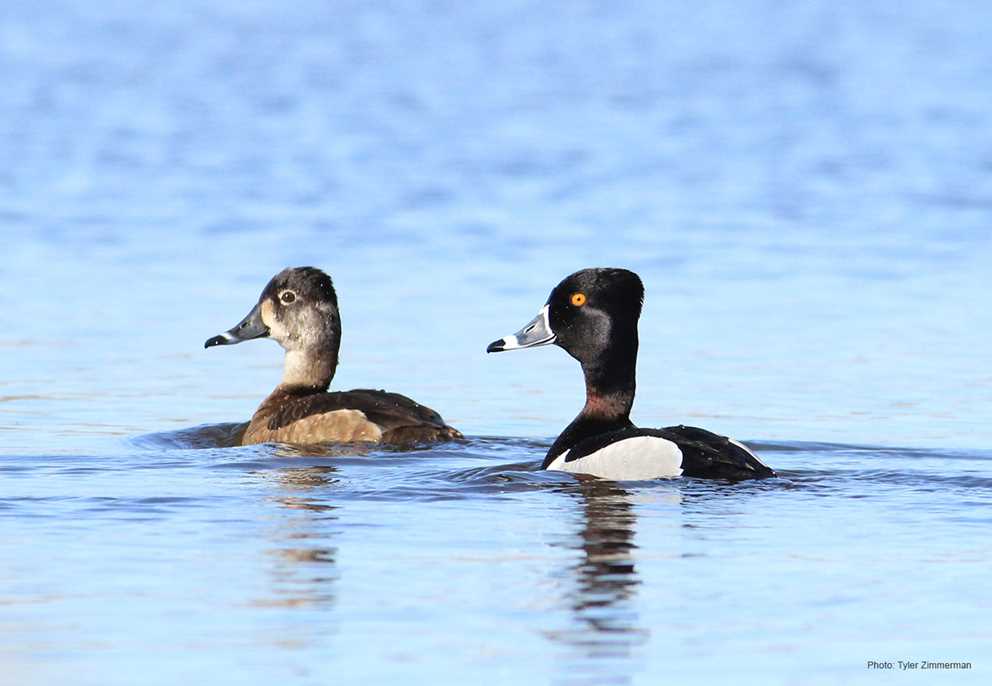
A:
x: 401, y: 419
x: 710, y: 456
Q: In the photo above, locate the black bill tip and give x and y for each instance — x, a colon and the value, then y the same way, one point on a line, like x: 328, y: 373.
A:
x: 497, y: 346
x: 216, y: 340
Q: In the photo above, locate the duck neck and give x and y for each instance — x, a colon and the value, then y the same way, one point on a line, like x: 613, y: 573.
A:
x: 610, y: 384
x: 608, y: 401
x: 309, y: 369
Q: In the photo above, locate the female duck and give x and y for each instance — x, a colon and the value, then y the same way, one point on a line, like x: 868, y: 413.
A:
x: 593, y: 315
x: 299, y: 309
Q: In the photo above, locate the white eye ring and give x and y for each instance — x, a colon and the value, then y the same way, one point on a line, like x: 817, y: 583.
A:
x: 287, y: 297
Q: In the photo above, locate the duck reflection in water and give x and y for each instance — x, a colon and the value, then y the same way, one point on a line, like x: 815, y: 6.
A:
x: 605, y: 623
x: 305, y: 565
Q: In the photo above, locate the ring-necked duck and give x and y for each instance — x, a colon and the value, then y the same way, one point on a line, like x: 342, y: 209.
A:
x: 299, y: 310
x: 593, y: 315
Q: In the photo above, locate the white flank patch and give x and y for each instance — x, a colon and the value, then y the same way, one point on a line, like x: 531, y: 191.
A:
x: 632, y: 459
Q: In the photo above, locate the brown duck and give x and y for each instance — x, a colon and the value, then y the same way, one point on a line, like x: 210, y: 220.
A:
x: 299, y: 310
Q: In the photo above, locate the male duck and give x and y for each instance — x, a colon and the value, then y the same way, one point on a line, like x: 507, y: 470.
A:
x: 593, y: 315
x: 299, y: 309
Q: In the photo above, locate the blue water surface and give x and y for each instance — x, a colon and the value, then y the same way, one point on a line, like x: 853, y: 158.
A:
x: 805, y: 189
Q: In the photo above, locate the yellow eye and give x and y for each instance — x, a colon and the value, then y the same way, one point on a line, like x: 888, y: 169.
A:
x: 578, y: 299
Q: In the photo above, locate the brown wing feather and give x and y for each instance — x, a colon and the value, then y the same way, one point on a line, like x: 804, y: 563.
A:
x: 401, y: 419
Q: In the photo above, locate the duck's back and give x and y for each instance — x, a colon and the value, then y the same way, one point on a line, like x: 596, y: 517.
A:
x: 376, y: 416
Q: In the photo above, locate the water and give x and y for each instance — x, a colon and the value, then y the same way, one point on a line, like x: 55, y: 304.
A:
x: 805, y: 190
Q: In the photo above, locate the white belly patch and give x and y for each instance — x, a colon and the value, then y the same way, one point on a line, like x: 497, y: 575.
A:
x: 632, y: 459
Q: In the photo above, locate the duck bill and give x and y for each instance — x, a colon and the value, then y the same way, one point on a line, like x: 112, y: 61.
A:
x: 248, y: 328
x: 537, y: 332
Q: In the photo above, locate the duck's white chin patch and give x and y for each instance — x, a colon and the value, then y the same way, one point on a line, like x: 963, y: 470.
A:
x: 631, y: 459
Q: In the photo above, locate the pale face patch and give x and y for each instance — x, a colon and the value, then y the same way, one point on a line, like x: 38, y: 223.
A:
x: 632, y: 459
x: 277, y: 331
